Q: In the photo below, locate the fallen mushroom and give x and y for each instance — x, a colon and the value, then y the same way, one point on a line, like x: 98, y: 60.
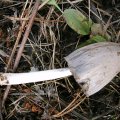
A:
x: 92, y: 66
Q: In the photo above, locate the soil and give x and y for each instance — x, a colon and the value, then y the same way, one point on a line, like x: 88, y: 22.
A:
x: 45, y: 99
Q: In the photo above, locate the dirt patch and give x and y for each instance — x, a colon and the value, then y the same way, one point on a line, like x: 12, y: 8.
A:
x: 49, y: 41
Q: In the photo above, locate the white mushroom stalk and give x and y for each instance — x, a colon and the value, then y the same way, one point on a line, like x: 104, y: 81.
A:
x: 22, y: 78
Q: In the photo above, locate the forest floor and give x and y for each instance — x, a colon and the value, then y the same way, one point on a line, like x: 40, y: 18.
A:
x: 50, y: 40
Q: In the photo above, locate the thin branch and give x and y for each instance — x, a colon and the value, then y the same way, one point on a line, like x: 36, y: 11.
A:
x: 28, y: 29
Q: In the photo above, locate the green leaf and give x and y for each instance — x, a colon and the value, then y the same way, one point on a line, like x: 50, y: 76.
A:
x: 77, y: 21
x: 53, y: 2
x: 98, y: 38
x: 92, y: 40
x: 98, y: 29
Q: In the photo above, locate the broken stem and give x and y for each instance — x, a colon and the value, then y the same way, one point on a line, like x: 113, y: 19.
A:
x: 22, y: 78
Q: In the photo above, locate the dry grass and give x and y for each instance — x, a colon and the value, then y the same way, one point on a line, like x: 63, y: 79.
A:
x: 49, y: 41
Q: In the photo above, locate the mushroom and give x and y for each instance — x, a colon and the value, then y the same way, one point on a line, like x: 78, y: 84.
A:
x: 92, y: 66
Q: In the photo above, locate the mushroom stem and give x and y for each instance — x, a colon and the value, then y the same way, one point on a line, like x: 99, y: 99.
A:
x: 21, y: 78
